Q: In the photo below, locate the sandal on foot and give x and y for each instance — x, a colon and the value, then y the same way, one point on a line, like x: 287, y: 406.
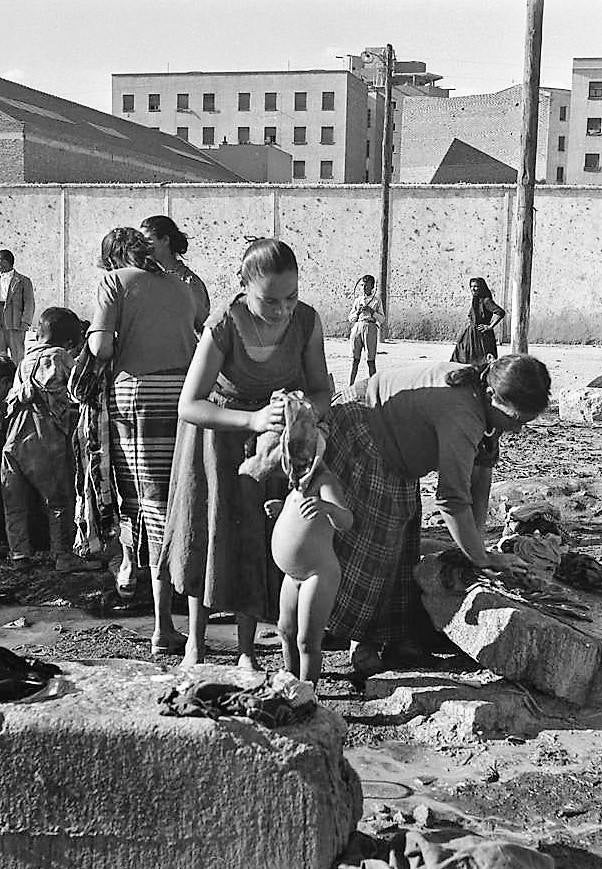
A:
x: 171, y: 644
x: 365, y: 659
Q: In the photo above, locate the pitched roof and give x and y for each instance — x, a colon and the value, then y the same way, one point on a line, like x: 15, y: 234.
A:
x: 63, y: 120
x: 465, y: 164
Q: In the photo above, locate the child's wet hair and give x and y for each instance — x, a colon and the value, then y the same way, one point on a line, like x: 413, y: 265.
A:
x: 59, y: 327
x: 266, y: 256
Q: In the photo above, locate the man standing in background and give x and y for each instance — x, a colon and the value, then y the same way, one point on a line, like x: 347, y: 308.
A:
x: 16, y: 307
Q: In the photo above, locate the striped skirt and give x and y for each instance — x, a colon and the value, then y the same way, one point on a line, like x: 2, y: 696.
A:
x: 377, y: 597
x: 143, y: 413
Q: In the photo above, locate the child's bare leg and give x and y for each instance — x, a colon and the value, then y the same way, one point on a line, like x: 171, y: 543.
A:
x: 287, y: 624
x: 247, y: 625
x: 198, y: 615
x: 316, y: 600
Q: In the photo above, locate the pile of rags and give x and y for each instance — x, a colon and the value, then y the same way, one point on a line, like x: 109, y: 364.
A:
x: 279, y: 701
x: 534, y: 533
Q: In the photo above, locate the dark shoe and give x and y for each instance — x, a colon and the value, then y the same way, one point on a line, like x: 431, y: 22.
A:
x: 20, y: 562
x: 404, y: 655
x: 364, y: 659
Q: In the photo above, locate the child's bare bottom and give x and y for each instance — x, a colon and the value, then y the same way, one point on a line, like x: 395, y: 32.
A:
x: 305, y: 606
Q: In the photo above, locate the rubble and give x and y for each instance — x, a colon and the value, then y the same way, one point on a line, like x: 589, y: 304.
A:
x: 581, y: 405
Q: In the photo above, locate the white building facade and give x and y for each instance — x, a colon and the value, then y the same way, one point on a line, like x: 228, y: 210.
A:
x: 584, y: 165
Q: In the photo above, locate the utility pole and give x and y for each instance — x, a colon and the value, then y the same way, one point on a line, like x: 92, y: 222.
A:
x: 386, y: 181
x: 525, y: 191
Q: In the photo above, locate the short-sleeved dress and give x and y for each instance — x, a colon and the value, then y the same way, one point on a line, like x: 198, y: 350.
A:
x: 473, y: 347
x: 217, y: 539
x: 199, y: 292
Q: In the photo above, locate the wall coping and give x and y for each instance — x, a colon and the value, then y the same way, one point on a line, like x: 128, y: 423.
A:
x: 144, y: 185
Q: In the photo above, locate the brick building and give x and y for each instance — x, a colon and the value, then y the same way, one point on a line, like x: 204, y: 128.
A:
x: 426, y: 127
x: 44, y: 138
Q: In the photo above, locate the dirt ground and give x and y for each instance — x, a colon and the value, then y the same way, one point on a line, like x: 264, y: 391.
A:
x: 545, y: 791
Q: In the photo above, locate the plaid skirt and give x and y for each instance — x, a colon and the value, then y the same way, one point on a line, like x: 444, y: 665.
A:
x: 143, y: 413
x: 377, y: 595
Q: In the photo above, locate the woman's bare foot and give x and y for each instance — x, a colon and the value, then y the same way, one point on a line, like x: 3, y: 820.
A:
x: 193, y: 654
x: 248, y: 662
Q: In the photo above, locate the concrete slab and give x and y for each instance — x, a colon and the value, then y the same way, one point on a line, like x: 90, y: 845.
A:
x: 511, y: 638
x: 96, y: 777
x: 455, y: 707
x: 580, y: 405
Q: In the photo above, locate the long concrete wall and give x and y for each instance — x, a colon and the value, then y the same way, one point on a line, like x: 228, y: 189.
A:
x: 439, y: 237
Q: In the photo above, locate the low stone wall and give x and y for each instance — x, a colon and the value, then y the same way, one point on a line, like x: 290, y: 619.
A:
x: 97, y: 778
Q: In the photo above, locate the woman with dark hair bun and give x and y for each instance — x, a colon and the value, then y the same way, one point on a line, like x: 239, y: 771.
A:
x: 217, y: 540
x: 385, y: 434
x: 476, y: 343
x: 144, y: 321
x: 168, y: 244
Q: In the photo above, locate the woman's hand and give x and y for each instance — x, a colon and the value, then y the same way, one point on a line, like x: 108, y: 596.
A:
x: 483, y: 327
x: 505, y: 561
x: 270, y: 417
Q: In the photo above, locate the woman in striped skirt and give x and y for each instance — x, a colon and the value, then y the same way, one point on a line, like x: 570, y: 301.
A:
x: 144, y: 320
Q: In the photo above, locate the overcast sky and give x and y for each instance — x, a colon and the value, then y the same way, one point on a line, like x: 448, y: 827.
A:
x: 71, y: 47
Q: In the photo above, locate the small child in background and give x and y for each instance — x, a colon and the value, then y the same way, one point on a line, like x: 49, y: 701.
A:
x: 302, y: 540
x: 37, y: 451
x: 367, y: 316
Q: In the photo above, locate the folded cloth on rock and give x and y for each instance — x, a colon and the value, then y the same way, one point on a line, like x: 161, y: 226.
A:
x: 580, y: 571
x: 21, y: 677
x: 453, y: 849
x: 542, y: 552
x: 263, y: 704
x: 297, y: 446
x: 537, y: 516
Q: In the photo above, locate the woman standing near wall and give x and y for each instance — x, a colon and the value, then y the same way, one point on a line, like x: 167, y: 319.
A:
x: 169, y: 244
x: 144, y: 321
x: 477, y: 341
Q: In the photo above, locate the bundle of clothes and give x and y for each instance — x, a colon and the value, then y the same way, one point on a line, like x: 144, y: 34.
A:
x: 21, y: 677
x: 277, y: 702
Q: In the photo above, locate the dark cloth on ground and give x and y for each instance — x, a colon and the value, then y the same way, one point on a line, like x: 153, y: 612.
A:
x: 143, y: 413
x: 22, y: 676
x: 472, y: 346
x: 96, y: 512
x: 217, y: 537
x: 262, y: 704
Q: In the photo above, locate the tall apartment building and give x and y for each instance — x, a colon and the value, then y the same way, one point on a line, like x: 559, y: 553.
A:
x: 584, y: 165
x: 318, y: 116
x: 426, y: 128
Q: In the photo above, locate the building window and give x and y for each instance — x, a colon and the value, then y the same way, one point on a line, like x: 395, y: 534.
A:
x: 300, y: 101
x: 127, y: 102
x: 368, y: 148
x: 328, y: 101
x: 326, y: 169
x: 269, y: 135
x: 327, y: 136
x: 244, y: 135
x: 270, y: 102
x: 154, y: 102
x: 300, y: 136
x: 208, y: 103
x: 367, y: 175
x: 595, y: 90
x: 594, y: 126
x: 561, y: 143
x: 298, y: 168
x: 369, y: 124
x: 393, y: 105
x: 563, y: 113
x: 560, y: 175
x: 244, y: 102
x: 592, y: 163
x: 182, y: 132
x: 208, y: 135
x: 182, y: 102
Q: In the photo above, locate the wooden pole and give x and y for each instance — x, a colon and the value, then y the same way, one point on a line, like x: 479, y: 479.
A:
x: 525, y: 191
x: 386, y: 183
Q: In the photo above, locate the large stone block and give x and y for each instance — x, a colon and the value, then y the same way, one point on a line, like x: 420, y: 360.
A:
x: 96, y: 778
x: 511, y: 638
x: 580, y: 405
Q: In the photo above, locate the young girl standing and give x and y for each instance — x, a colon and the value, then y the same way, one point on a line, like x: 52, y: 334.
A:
x: 216, y: 545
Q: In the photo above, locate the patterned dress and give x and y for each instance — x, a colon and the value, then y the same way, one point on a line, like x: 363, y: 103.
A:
x: 217, y: 539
